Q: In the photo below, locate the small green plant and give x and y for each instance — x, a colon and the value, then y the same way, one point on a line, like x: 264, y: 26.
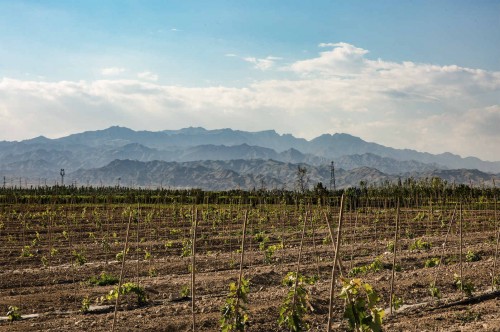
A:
x: 361, y: 309
x: 435, y: 293
x: 465, y: 286
x: 79, y: 258
x: 269, y: 252
x: 13, y: 314
x: 397, y: 302
x: 390, y: 246
x: 295, y: 306
x: 420, y: 244
x: 126, y: 289
x: 234, y: 315
x: 431, y: 262
x: 420, y: 216
x: 104, y: 279
x: 409, y: 234
x: 468, y: 316
x: 119, y: 256
x: 375, y: 266
x: 261, y: 237
x: 44, y: 261
x: 152, y: 272
x: 496, y: 283
x: 471, y: 256
x: 84, y: 308
x: 26, y: 252
x: 357, y: 270
x: 185, y: 291
x: 186, y: 248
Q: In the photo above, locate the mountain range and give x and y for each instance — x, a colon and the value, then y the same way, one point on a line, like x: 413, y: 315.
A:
x: 225, y: 159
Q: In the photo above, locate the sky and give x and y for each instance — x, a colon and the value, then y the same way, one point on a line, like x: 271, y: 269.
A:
x: 422, y: 75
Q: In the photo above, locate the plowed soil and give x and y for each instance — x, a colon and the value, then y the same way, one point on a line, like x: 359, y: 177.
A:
x: 40, y: 273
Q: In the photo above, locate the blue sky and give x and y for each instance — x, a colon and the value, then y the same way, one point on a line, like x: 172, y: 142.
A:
x: 409, y: 74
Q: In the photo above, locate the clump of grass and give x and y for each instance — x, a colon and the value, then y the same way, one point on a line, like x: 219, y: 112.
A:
x: 420, y: 244
x: 375, y: 266
x: 104, y: 279
x: 465, y: 286
x: 471, y: 256
x: 431, y: 262
x: 13, y: 314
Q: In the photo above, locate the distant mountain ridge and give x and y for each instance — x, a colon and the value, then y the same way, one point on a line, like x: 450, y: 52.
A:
x: 250, y: 174
x: 96, y: 150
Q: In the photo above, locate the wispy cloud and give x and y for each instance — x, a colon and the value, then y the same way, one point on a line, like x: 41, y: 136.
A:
x: 147, y: 75
x: 112, y: 71
x: 263, y: 63
x: 342, y: 59
x: 400, y: 104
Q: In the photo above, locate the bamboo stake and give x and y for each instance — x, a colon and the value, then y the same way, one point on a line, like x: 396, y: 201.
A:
x: 353, y: 243
x: 282, y: 239
x: 240, y: 276
x: 298, y: 264
x: 314, y: 243
x: 137, y: 244
x: 461, y: 241
x: 332, y: 238
x: 497, y: 228
x: 444, y: 244
x: 194, y: 219
x: 121, y: 272
x: 332, y: 282
x: 394, y: 257
x: 50, y: 239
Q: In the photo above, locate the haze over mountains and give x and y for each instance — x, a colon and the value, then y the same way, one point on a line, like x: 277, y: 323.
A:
x: 225, y: 159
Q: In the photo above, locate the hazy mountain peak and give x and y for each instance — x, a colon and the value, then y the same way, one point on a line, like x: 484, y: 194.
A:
x: 94, y: 149
x: 38, y: 139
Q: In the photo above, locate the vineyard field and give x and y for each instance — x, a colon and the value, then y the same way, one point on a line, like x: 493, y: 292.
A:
x: 59, y: 261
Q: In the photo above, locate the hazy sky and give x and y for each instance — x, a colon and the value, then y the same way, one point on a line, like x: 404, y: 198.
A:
x: 423, y: 75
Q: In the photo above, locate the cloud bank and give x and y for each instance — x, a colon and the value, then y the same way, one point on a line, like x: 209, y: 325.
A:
x: 427, y: 107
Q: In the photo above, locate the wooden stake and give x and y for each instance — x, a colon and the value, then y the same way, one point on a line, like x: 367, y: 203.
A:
x: 394, y: 257
x: 194, y: 220
x: 240, y: 276
x: 332, y: 238
x: 332, y: 282
x: 298, y: 264
x: 314, y: 243
x: 121, y: 272
x: 497, y: 228
x: 461, y: 240
x: 444, y: 245
x: 137, y: 244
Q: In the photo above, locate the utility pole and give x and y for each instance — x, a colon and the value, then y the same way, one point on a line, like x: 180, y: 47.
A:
x: 62, y: 176
x: 4, y: 182
x: 332, y: 177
